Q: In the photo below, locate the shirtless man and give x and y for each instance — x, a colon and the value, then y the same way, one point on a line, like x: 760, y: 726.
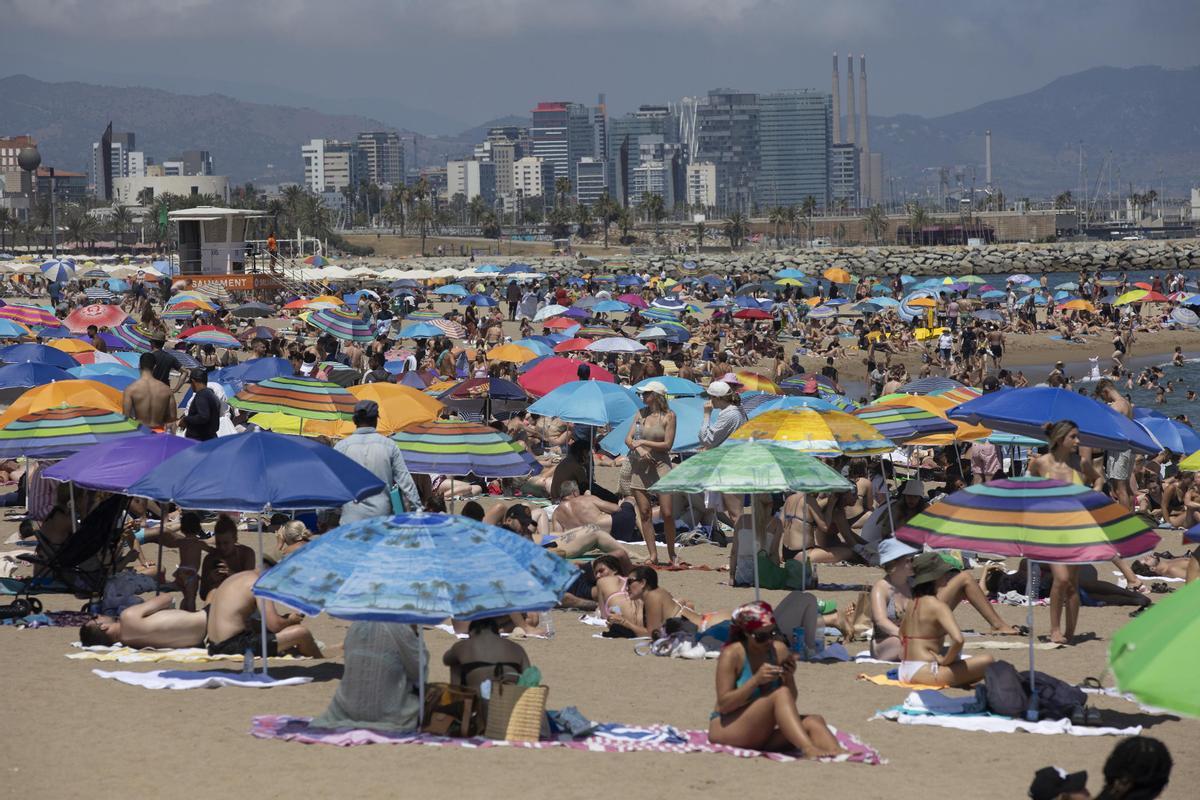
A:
x: 995, y: 343
x: 1118, y: 465
x: 227, y: 557
x: 234, y: 626
x: 577, y: 541
x: 154, y: 623
x: 576, y: 510
x: 148, y: 400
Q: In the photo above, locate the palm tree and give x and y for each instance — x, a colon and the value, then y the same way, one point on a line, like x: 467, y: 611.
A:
x: 583, y: 218
x: 423, y: 216
x: 562, y: 190
x: 654, y: 209
x: 607, y: 212
x: 122, y: 218
x: 477, y: 208
x: 807, y: 209
x: 1064, y: 200
x: 399, y: 205
x: 778, y: 218
x: 918, y: 218
x: 875, y: 222
x: 735, y: 229
x: 625, y: 223
x: 81, y: 227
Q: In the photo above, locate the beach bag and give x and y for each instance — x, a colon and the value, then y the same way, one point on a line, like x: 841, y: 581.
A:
x: 516, y: 713
x: 397, y: 498
x: 450, y: 710
x: 789, y: 576
x: 1007, y: 694
x: 1057, y: 699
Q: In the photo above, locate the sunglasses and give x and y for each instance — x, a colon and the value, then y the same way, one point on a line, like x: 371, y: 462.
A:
x: 764, y: 635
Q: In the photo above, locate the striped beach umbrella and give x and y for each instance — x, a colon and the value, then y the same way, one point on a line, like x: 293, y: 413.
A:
x: 449, y: 327
x: 342, y: 324
x: 136, y: 336
x: 423, y: 315
x: 662, y: 314
x: 98, y: 294
x: 446, y: 447
x: 1035, y: 518
x: 751, y: 468
x: 299, y: 397
x: 930, y: 385
x: 58, y: 270
x: 215, y: 338
x: 959, y: 394
x: 818, y: 433
x: 15, y: 330
x: 903, y: 423
x: 595, y: 332
x: 63, y: 430
x: 30, y: 316
x: 938, y: 406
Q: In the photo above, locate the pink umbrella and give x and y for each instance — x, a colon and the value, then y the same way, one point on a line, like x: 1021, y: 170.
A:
x: 98, y: 314
x: 634, y: 300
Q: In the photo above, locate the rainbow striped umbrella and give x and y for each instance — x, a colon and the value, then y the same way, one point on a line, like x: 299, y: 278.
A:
x: 957, y: 395
x: 594, y: 332
x: 31, y: 316
x: 215, y: 338
x: 446, y: 447
x: 183, y: 311
x: 1035, y: 518
x: 902, y: 423
x: 60, y: 431
x: 449, y: 327
x: 819, y: 433
x: 136, y: 336
x: 299, y: 397
x: 423, y: 315
x: 342, y: 324
x: 663, y: 314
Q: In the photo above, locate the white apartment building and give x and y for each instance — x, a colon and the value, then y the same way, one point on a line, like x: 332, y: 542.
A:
x: 527, y: 176
x: 702, y: 184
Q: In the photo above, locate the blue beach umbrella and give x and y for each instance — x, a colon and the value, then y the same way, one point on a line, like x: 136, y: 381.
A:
x: 451, y: 290
x: 114, y: 466
x: 611, y: 307
x: 14, y: 330
x: 595, y: 403
x: 1172, y: 434
x: 27, y: 374
x: 689, y: 416
x: 477, y: 299
x: 420, y: 330
x: 756, y: 403
x: 37, y: 354
x: 537, y: 346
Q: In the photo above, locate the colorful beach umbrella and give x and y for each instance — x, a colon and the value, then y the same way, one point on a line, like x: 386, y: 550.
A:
x: 299, y: 397
x: 60, y: 431
x: 903, y: 423
x: 753, y: 382
x: 215, y: 338
x: 399, y: 406
x: 100, y: 315
x: 58, y: 270
x: 342, y: 324
x: 512, y: 353
x: 137, y: 337
x: 446, y: 447
x: 29, y: 316
x: 278, y: 422
x: 555, y: 371
x: 818, y: 433
x: 752, y: 468
x: 115, y: 465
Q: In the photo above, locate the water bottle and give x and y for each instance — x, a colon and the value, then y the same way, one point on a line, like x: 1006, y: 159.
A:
x: 798, y: 643
x: 248, y: 661
x: 549, y: 624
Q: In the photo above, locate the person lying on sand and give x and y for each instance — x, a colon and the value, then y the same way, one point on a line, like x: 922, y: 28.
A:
x: 575, y: 510
x: 154, y: 623
x: 654, y: 605
x: 578, y: 541
x: 756, y: 692
x: 927, y: 623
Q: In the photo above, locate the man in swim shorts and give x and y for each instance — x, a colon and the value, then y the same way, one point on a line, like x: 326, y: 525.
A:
x: 575, y: 510
x: 234, y: 625
x: 577, y: 541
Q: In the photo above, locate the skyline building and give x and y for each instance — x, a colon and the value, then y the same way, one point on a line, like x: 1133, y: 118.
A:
x: 795, y: 130
x: 727, y: 136
x: 383, y: 152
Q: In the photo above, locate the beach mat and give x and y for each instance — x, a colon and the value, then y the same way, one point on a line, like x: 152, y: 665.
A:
x: 992, y: 724
x: 178, y: 655
x: 179, y: 680
x: 608, y: 738
x: 1016, y: 644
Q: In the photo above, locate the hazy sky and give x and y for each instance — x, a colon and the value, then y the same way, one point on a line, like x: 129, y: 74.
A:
x: 465, y: 61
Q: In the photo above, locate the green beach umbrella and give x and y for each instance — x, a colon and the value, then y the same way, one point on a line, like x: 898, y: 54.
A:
x: 1152, y: 656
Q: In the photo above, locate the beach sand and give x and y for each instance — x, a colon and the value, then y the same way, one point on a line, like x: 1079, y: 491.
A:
x: 71, y: 734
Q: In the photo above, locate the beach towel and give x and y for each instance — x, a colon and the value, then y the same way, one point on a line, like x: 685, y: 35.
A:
x: 1016, y: 644
x: 448, y: 628
x: 992, y: 724
x: 609, y: 738
x: 180, y: 655
x: 884, y: 680
x: 179, y: 680
x: 865, y: 657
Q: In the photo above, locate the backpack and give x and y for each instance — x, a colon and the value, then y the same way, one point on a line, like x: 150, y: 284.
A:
x: 1008, y: 693
x: 1057, y: 699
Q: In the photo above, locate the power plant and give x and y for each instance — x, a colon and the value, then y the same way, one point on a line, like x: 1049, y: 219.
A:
x: 857, y: 129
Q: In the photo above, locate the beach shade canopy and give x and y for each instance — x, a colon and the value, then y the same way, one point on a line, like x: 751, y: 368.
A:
x: 420, y: 330
x: 1150, y: 655
x: 552, y: 310
x: 1185, y: 316
x: 576, y: 345
x: 818, y: 433
x: 753, y: 382
x: 102, y: 316
x: 418, y: 568
x: 285, y: 423
x: 451, y: 290
x: 399, y: 406
x: 85, y: 393
x: 758, y: 403
x: 751, y: 468
x: 676, y: 386
x: 455, y: 330
x: 31, y: 353
x: 552, y: 372
x: 635, y: 300
x: 1035, y: 518
x: 611, y: 307
x: 1026, y: 411
x: 939, y: 406
x: 60, y: 431
x: 903, y: 423
x: 25, y: 375
x: 72, y: 346
x: 324, y: 301
x: 252, y: 310
x: 616, y: 344
x: 929, y: 385
x: 216, y: 338
x: 513, y: 353
x: 588, y: 403
x: 15, y: 330
x: 342, y: 324
x: 253, y: 371
x: 446, y: 447
x: 317, y: 261
x: 1172, y: 434
x: 257, y: 332
x: 481, y: 300
x: 1140, y: 296
x: 300, y: 397
x: 255, y: 471
x: 757, y: 313
x: 114, y: 466
x: 689, y: 416
x: 136, y: 337
x: 58, y: 270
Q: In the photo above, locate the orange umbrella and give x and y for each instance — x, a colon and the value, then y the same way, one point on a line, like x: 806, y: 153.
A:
x: 813, y: 302
x: 71, y: 345
x: 1079, y: 305
x: 514, y: 353
x: 89, y: 394
x: 923, y: 302
x: 754, y: 382
x: 296, y: 305
x: 399, y: 405
x: 837, y: 275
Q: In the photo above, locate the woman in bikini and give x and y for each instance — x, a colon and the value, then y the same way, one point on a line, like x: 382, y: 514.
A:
x: 756, y: 692
x: 802, y: 526
x: 612, y: 589
x: 654, y: 605
x: 649, y: 440
x: 890, y: 598
x: 925, y: 627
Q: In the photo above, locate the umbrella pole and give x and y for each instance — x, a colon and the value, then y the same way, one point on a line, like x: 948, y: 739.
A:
x: 71, y: 491
x: 262, y: 608
x: 1031, y: 713
x: 958, y: 458
x: 891, y: 519
x: 754, y: 533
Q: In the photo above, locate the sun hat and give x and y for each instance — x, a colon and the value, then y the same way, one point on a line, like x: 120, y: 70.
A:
x: 913, y: 487
x: 719, y: 389
x: 1051, y: 782
x: 928, y: 567
x: 732, y: 379
x: 893, y: 549
x: 656, y: 387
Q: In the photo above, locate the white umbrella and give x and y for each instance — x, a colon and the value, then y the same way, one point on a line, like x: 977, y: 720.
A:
x: 548, y: 312
x: 616, y: 344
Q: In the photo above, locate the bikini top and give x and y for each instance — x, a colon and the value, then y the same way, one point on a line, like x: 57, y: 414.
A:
x: 745, y: 675
x: 904, y: 639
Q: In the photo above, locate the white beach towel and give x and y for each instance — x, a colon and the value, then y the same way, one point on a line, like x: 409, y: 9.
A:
x: 181, y: 655
x: 865, y: 657
x: 183, y: 679
x: 979, y: 722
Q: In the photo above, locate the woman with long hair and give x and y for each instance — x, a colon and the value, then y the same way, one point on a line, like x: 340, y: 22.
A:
x: 649, y: 440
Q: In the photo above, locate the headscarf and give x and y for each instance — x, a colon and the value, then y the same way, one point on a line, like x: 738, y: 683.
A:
x: 754, y: 616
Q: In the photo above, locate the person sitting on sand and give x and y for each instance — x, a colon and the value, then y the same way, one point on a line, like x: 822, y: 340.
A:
x: 227, y: 557
x: 379, y: 686
x: 154, y: 623
x: 925, y: 627
x: 234, y: 625
x: 484, y: 655
x: 756, y: 692
x: 801, y: 530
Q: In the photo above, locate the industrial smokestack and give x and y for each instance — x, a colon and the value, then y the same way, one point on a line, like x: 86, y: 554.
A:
x: 851, y: 108
x: 987, y: 159
x: 864, y: 135
x: 837, y: 104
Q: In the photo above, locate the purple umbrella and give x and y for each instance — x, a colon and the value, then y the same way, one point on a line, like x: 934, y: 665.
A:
x: 117, y: 465
x: 113, y: 342
x: 577, y: 313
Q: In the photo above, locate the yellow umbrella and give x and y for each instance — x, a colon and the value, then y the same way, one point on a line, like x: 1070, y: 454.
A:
x: 399, y: 405
x: 1079, y: 305
x: 514, y: 353
x: 72, y: 345
x: 813, y: 302
x: 937, y: 405
x: 923, y: 302
x: 324, y: 301
x: 89, y: 394
x: 789, y: 282
x: 1191, y: 463
x: 837, y: 275
x: 819, y: 433
x: 438, y: 387
x: 286, y: 423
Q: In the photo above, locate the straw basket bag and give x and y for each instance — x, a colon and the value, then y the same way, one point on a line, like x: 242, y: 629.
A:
x: 515, y: 713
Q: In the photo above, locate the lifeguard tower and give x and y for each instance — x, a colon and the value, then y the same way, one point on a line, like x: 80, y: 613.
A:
x: 212, y: 248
